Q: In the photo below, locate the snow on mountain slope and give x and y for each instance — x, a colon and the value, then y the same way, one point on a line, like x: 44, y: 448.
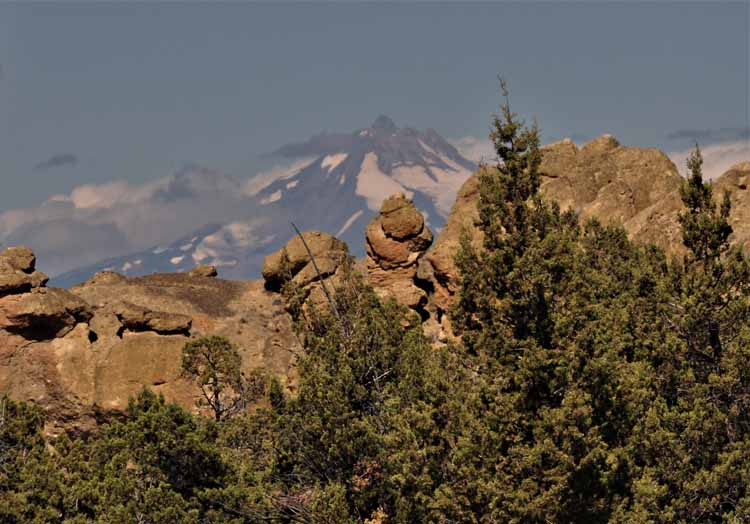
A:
x: 353, y: 173
x: 335, y: 183
x: 230, y: 248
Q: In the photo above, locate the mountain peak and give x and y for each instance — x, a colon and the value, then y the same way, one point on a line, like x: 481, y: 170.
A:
x: 385, y: 124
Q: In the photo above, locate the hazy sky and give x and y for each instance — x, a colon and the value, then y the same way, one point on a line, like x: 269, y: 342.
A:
x: 97, y: 92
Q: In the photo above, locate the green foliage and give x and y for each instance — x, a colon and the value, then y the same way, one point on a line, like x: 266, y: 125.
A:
x: 712, y: 285
x: 152, y: 467
x: 28, y: 485
x: 214, y: 363
x: 705, y: 230
x: 352, y: 441
x: 595, y: 381
x: 610, y: 385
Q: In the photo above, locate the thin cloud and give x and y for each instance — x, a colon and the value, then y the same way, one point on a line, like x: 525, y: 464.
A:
x: 256, y: 184
x: 55, y: 161
x: 475, y: 148
x: 717, y: 158
x: 128, y: 213
x: 724, y: 134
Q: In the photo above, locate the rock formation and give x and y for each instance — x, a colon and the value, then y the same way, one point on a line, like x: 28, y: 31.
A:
x: 637, y: 188
x: 327, y: 251
x: 18, y: 272
x: 396, y: 240
x: 737, y: 181
x: 293, y: 262
x: 81, y: 353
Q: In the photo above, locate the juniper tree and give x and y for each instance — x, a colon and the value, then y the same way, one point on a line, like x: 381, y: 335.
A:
x: 546, y: 312
x: 502, y: 295
x: 713, y: 282
x: 214, y: 363
x: 692, y: 445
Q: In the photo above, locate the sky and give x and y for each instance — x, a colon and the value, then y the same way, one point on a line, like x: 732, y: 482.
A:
x: 101, y: 92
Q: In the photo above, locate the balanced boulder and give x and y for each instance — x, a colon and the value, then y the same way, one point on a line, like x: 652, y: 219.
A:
x: 18, y: 272
x: 396, y: 239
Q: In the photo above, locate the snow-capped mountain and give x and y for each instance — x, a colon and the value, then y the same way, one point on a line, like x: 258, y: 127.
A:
x: 356, y: 172
x: 335, y: 183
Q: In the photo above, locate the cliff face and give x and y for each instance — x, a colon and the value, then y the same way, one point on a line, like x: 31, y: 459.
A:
x: 634, y: 187
x: 80, y: 353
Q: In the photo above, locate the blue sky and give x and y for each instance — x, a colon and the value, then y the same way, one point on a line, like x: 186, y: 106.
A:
x: 92, y: 92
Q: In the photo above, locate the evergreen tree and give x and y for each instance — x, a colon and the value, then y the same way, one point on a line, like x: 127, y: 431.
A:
x: 713, y: 282
x: 705, y: 229
x: 362, y: 437
x: 547, y: 313
x: 594, y: 382
x: 216, y: 365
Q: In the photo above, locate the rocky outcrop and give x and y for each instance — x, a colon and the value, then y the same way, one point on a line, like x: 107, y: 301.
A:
x: 18, y: 272
x: 327, y: 250
x: 203, y: 270
x: 737, y: 182
x: 136, y: 318
x: 308, y: 274
x: 43, y: 313
x: 396, y: 240
x: 81, y: 353
x: 29, y: 309
x: 605, y: 180
x: 635, y: 187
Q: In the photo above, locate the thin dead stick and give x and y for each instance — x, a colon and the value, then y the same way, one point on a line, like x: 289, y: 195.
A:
x: 320, y: 277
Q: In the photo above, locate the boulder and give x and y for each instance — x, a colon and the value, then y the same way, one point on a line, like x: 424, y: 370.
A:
x: 43, y: 314
x: 203, y: 271
x: 325, y: 266
x: 105, y: 277
x: 18, y: 272
x: 396, y: 240
x: 400, y: 219
x: 320, y: 244
x: 20, y: 258
x: 398, y: 236
x: 138, y: 318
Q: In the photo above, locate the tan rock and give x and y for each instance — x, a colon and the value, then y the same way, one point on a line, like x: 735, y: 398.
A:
x: 441, y: 256
x: 399, y: 284
x: 93, y: 364
x: 203, y: 271
x: 327, y: 265
x: 395, y: 242
x: 44, y: 314
x: 634, y: 187
x: 20, y: 258
x: 105, y: 277
x: 319, y: 244
x: 398, y: 236
x: 17, y: 271
x: 399, y: 218
x: 737, y: 181
x: 138, y: 318
x: 387, y: 252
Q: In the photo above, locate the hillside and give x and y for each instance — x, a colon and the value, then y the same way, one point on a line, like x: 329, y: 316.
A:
x: 331, y: 182
x: 81, y: 353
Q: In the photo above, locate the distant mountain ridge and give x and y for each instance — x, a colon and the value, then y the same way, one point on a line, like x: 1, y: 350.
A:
x: 337, y: 183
